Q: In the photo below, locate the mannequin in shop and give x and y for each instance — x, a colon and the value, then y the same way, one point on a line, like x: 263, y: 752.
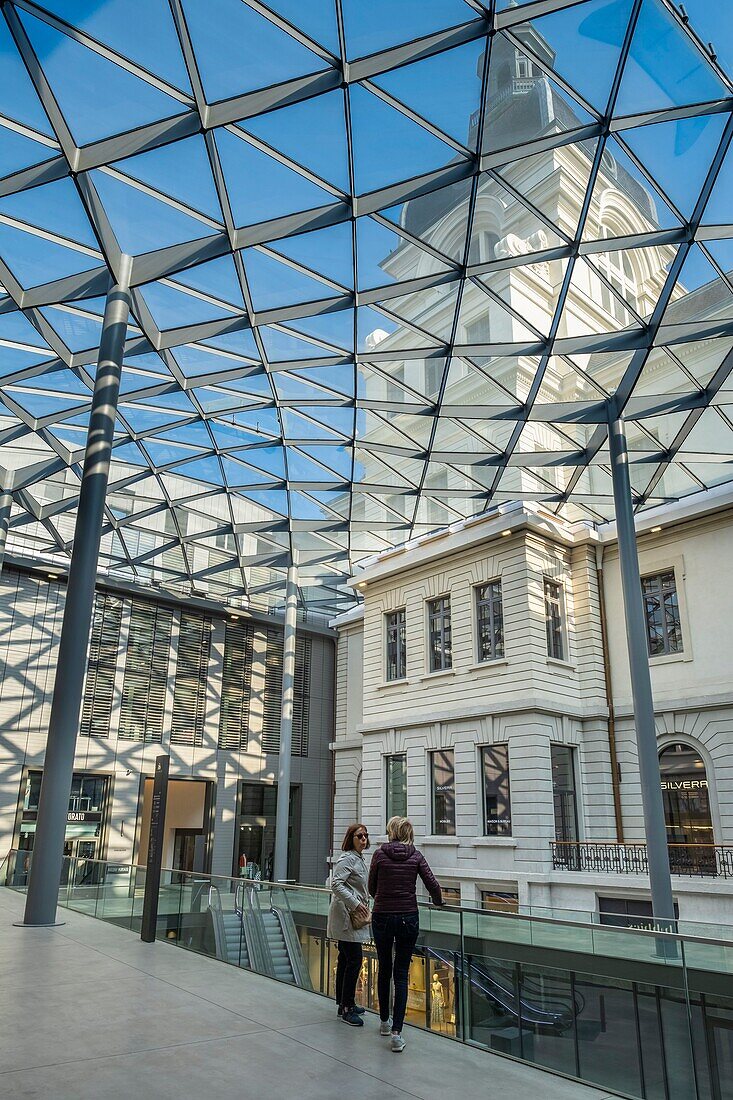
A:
x: 437, y: 1001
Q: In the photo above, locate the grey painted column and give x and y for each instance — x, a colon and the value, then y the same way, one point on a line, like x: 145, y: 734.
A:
x: 6, y: 504
x: 641, y: 684
x: 282, y: 815
x: 48, y: 847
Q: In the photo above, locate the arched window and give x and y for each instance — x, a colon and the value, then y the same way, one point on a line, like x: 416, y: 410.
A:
x: 686, y: 804
x: 617, y: 268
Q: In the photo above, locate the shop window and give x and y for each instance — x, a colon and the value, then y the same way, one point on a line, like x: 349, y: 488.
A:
x: 451, y: 895
x: 497, y: 801
x: 663, y: 629
x: 564, y: 796
x: 255, y: 837
x: 395, y: 624
x: 686, y: 799
x: 444, y: 792
x: 396, y: 786
x: 627, y: 912
x: 439, y: 634
x: 554, y: 620
x: 84, y: 823
x: 489, y: 621
x: 500, y: 901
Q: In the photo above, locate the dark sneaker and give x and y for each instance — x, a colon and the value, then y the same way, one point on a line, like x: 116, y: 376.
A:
x: 359, y: 1010
x: 353, y: 1018
x: 341, y: 1010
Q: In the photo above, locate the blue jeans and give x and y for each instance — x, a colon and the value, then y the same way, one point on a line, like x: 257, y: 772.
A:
x: 398, y: 931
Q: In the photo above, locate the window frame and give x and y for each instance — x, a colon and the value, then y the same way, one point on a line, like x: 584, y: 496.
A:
x: 478, y: 602
x: 561, y: 628
x: 388, y: 809
x: 400, y: 645
x: 450, y: 827
x: 658, y: 575
x: 440, y: 614
x: 483, y: 749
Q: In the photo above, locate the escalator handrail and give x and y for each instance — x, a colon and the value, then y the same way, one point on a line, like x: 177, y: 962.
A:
x: 285, y: 919
x: 258, y: 948
x: 217, y: 920
x: 529, y: 1012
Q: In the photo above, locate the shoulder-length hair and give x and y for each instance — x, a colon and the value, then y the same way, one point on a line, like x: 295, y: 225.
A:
x: 400, y: 828
x: 347, y: 845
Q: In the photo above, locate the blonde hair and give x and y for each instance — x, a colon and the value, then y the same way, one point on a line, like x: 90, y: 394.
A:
x: 400, y: 828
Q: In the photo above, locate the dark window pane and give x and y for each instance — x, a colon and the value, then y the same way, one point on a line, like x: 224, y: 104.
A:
x: 553, y: 620
x: 490, y: 621
x: 396, y: 786
x: 497, y: 803
x: 664, y: 633
x: 396, y: 652
x: 439, y: 634
x: 563, y: 793
x: 444, y: 793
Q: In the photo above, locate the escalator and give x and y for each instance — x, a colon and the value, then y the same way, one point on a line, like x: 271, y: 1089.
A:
x: 551, y: 1010
x: 257, y: 938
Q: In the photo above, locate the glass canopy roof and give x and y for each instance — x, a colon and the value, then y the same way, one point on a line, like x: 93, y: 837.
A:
x: 392, y: 258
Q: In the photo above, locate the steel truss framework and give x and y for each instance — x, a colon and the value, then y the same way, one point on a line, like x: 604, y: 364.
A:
x: 303, y: 189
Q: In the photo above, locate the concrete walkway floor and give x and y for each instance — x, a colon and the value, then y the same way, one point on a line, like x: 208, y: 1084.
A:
x: 89, y: 1011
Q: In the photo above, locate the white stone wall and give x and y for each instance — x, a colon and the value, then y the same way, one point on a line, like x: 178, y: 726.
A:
x: 530, y: 701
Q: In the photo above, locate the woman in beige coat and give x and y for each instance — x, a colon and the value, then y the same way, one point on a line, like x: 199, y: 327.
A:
x: 349, y: 900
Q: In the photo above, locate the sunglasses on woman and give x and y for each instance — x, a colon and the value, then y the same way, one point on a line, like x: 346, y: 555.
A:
x: 361, y: 836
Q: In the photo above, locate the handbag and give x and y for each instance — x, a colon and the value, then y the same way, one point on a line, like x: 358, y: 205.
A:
x: 358, y: 922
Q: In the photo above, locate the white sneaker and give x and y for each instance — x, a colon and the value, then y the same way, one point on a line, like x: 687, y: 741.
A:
x: 398, y: 1044
x: 385, y: 1027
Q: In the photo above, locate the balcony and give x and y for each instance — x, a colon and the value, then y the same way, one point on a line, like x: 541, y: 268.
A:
x: 607, y: 857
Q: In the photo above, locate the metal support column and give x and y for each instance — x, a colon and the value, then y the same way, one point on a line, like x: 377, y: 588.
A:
x: 6, y: 505
x: 641, y: 684
x: 282, y: 814
x: 48, y: 846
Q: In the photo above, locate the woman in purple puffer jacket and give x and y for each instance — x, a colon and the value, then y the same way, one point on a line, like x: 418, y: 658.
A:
x: 395, y: 918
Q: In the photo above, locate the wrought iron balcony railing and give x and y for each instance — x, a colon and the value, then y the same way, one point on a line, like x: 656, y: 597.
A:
x: 704, y: 860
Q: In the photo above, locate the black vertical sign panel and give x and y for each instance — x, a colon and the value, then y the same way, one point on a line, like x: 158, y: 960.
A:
x: 155, y: 849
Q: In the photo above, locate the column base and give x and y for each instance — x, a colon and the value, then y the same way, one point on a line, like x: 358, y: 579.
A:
x: 24, y: 924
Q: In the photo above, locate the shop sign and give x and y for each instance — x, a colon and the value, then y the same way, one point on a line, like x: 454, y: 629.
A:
x: 684, y: 784
x: 87, y: 816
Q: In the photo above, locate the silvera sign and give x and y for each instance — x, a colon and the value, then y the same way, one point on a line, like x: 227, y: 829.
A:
x: 684, y: 784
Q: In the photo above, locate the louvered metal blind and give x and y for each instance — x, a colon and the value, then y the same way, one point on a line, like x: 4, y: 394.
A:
x: 236, y: 687
x: 273, y: 693
x: 146, y: 672
x: 96, y: 712
x: 189, y: 692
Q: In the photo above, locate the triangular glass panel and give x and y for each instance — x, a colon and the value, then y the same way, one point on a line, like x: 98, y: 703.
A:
x: 335, y: 329
x: 302, y: 468
x: 431, y: 312
x: 541, y: 180
x: 623, y: 200
x: 318, y: 422
x: 662, y: 377
x: 404, y: 149
x: 637, y: 277
x: 55, y: 207
x: 699, y: 294
x: 240, y: 474
x: 238, y: 342
x: 18, y: 151
x: 702, y: 360
x: 142, y: 30
x: 273, y: 284
x: 378, y: 333
x: 97, y: 97
x: 384, y: 256
x: 283, y: 347
x: 439, y: 218
x: 384, y: 23
x: 77, y: 330
x: 238, y: 50
x: 483, y: 320
x: 338, y: 458
x: 260, y: 188
x: 581, y: 43
x: 180, y: 170
x: 217, y: 279
x: 325, y: 251
x: 664, y: 68
x: 338, y: 379
x: 532, y: 291
x: 311, y: 133
x: 562, y: 383
x: 19, y: 98
x: 678, y: 155
x: 504, y: 227
x: 523, y: 103
x: 142, y: 223
x: 274, y: 500
x: 471, y: 381
x: 719, y: 207
x: 171, y: 308
x: 445, y: 89
x: 41, y: 405
x: 595, y: 306
x: 207, y: 470
x: 34, y: 260
x: 317, y: 19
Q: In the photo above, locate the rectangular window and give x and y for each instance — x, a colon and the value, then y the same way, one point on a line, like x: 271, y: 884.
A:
x: 272, y: 701
x: 396, y: 786
x: 444, y: 793
x: 189, y: 691
x: 489, y: 621
x: 396, y: 652
x: 499, y: 901
x: 497, y: 803
x: 439, y: 634
x: 96, y: 714
x: 562, y: 758
x: 451, y: 895
x: 663, y: 630
x: 553, y: 620
x: 145, y: 684
x: 236, y: 687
